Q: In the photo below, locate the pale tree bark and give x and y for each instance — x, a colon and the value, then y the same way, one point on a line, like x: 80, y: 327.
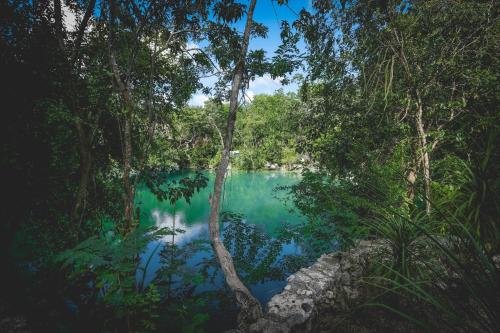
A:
x: 424, y: 154
x: 423, y: 149
x: 250, y: 309
x: 411, y: 177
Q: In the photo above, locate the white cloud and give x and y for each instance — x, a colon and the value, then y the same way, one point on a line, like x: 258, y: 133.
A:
x: 198, y: 99
x: 150, y: 259
x: 249, y: 95
x: 193, y: 48
x: 69, y: 17
x: 265, y: 85
x: 166, y: 220
x: 261, y: 85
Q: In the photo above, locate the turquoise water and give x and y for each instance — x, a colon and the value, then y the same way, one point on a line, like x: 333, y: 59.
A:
x: 263, y: 257
x: 252, y: 194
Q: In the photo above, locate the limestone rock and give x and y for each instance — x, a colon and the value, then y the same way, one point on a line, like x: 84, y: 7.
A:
x: 325, y: 287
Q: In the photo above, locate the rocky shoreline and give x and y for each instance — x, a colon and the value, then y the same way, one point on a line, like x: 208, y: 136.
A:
x: 331, y: 285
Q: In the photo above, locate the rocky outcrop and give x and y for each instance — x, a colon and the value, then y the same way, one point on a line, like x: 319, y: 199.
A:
x: 322, y: 297
x: 331, y: 285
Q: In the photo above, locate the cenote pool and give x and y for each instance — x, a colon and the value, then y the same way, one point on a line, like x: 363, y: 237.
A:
x: 256, y: 233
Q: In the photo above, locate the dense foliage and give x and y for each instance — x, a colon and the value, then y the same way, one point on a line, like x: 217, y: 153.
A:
x: 400, y: 112
x: 266, y: 134
x: 399, y: 104
x: 395, y: 127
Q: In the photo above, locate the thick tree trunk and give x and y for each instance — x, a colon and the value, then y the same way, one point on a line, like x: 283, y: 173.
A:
x: 250, y: 309
x: 424, y: 155
x: 58, y: 23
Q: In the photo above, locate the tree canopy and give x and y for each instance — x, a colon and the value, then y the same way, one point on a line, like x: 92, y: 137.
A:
x: 393, y: 129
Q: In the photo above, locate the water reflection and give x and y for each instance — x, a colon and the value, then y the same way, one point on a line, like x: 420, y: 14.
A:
x: 261, y: 239
x: 183, y: 263
x: 185, y: 257
x: 181, y: 233
x: 177, y: 221
x: 262, y: 261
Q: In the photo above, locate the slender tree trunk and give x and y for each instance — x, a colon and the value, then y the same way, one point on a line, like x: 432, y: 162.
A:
x: 412, y: 173
x: 128, y: 104
x: 424, y: 155
x: 250, y: 309
x: 128, y: 107
x: 85, y: 168
x: 172, y: 254
x: 72, y: 57
x: 411, y: 177
x: 81, y: 31
x: 127, y: 167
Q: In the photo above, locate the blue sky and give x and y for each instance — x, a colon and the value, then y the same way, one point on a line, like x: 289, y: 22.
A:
x: 269, y: 13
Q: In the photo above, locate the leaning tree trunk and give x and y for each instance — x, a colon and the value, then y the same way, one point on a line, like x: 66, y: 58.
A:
x: 250, y: 309
x: 424, y: 156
